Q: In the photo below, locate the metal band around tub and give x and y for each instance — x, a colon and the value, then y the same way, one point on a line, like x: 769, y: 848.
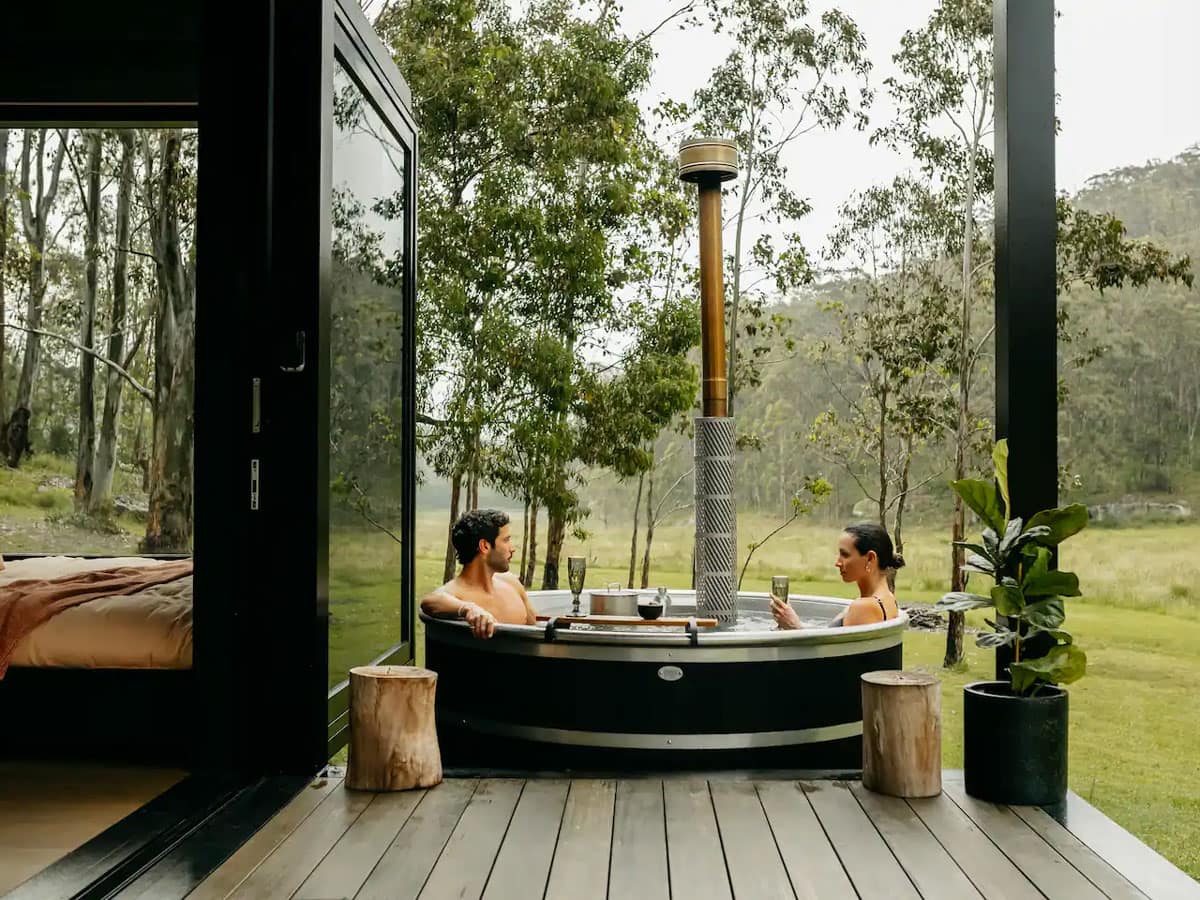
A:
x: 561, y: 645
x: 635, y: 741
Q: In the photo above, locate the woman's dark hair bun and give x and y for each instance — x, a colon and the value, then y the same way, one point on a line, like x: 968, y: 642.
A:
x: 869, y: 536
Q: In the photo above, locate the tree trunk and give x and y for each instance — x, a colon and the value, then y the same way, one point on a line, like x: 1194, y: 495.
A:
x: 557, y: 529
x: 455, y: 495
x: 169, y: 522
x: 901, y: 503
x: 957, y: 620
x: 3, y: 264
x: 736, y: 294
x: 649, y: 531
x: 531, y: 562
x: 524, y: 541
x: 902, y: 734
x: 106, y: 450
x: 86, y: 444
x: 637, y: 508
x: 393, y: 733
x: 36, y: 203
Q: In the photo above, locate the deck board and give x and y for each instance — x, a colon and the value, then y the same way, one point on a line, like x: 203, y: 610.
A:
x: 687, y: 837
x: 755, y: 866
x: 812, y: 864
x: 344, y: 869
x: 1148, y: 871
x: 466, y: 861
x: 221, y: 883
x: 401, y: 872
x: 933, y: 871
x: 694, y: 855
x: 580, y: 867
x: 638, y: 866
x: 1095, y: 869
x: 523, y: 864
x: 992, y: 873
x: 292, y: 861
x: 867, y: 859
x: 1041, y: 863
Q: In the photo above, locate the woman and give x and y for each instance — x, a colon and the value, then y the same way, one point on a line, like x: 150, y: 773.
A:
x: 864, y: 555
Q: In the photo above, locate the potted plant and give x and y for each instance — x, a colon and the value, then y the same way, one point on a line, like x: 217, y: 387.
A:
x: 1015, y: 731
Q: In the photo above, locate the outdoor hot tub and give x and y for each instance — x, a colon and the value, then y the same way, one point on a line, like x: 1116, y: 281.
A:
x: 541, y: 697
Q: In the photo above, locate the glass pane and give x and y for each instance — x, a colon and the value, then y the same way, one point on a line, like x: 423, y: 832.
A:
x: 97, y: 348
x: 366, y: 382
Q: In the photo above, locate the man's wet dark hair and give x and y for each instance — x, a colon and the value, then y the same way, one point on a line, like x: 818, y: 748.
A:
x: 472, y: 527
x: 868, y: 536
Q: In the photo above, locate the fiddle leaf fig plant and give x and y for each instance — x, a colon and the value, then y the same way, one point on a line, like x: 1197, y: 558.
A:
x: 1016, y: 555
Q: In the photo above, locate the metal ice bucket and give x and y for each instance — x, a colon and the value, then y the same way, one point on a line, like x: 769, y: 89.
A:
x: 614, y: 601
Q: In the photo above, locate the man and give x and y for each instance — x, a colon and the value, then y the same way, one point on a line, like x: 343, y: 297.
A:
x: 484, y: 592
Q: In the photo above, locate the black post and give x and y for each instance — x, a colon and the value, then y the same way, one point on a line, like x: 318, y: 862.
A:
x: 1026, y: 315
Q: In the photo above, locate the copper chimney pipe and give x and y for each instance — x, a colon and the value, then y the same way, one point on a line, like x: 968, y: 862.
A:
x: 707, y: 162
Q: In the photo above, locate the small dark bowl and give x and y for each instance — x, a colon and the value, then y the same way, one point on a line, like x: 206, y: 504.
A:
x: 650, y: 609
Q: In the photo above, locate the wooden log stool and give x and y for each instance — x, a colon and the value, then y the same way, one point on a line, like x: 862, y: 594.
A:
x: 393, y: 729
x: 902, y: 733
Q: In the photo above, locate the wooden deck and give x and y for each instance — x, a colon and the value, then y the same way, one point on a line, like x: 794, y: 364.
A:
x: 691, y: 838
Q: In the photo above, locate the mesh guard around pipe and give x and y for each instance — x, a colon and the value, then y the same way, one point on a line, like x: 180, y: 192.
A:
x: 716, y: 519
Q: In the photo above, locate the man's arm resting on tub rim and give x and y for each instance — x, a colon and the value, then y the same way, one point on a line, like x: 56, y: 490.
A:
x: 441, y: 604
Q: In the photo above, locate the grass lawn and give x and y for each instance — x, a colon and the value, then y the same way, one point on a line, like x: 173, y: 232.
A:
x: 1135, y: 718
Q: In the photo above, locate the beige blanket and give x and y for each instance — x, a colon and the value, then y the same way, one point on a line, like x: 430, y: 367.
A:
x: 30, y: 601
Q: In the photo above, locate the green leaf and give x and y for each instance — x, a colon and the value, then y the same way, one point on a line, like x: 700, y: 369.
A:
x: 1062, y: 523
x: 981, y: 564
x: 975, y: 548
x: 960, y: 601
x: 980, y: 496
x: 1008, y: 599
x: 1040, y: 564
x: 1057, y: 633
x: 1062, y: 665
x: 1051, y: 584
x: 990, y: 640
x: 1000, y: 463
x: 1045, y: 614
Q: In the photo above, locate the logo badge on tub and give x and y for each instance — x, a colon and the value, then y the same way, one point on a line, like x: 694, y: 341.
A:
x: 670, y: 673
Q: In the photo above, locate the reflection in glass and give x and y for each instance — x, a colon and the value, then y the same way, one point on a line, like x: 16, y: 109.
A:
x: 366, y: 382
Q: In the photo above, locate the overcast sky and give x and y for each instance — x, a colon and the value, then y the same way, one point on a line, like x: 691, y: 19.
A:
x: 1128, y: 78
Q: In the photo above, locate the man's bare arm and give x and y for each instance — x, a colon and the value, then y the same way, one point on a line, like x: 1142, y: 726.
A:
x: 441, y: 604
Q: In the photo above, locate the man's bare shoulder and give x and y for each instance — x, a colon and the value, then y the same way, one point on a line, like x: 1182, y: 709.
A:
x: 511, y: 578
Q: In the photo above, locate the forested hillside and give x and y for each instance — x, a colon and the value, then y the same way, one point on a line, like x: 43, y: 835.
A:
x: 1130, y: 377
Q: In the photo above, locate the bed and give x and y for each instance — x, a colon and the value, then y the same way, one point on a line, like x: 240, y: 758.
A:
x: 111, y: 678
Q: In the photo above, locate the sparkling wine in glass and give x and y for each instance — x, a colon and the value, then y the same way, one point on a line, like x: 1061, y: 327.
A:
x: 779, y: 588
x: 576, y: 570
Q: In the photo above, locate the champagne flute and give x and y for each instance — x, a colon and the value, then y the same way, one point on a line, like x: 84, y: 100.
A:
x: 779, y: 588
x: 576, y: 569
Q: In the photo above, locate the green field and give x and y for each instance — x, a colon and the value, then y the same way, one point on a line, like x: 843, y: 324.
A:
x: 1135, y: 718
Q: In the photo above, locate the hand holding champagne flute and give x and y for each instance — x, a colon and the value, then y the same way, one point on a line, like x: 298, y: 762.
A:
x: 785, y: 616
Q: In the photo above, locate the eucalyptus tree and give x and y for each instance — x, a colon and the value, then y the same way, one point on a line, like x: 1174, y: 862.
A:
x: 789, y: 73
x: 945, y: 114
x: 4, y: 231
x: 37, y: 193
x: 893, y: 344
x: 169, y: 188
x: 528, y: 125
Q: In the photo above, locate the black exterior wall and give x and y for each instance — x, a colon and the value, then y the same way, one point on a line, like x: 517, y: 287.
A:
x: 255, y: 77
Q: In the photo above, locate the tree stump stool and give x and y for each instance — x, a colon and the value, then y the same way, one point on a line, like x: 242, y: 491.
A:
x: 393, y: 729
x: 902, y: 733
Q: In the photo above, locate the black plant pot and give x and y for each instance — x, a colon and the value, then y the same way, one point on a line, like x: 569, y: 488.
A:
x: 1015, y: 748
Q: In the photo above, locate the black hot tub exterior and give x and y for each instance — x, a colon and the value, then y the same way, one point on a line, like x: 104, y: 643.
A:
x: 610, y: 700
